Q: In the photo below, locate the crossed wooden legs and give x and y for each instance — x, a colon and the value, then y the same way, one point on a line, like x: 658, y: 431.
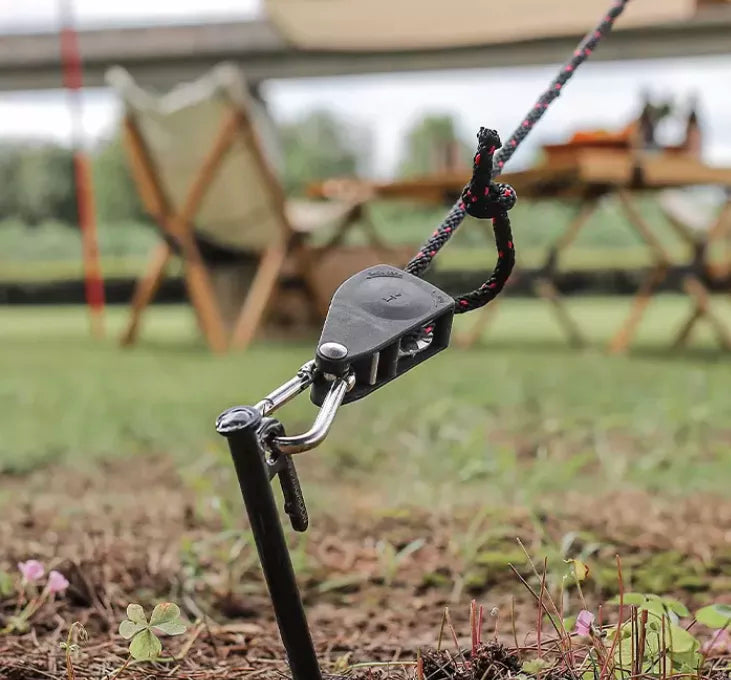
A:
x: 259, y: 296
x: 694, y: 288
x: 544, y: 285
x: 545, y: 288
x: 147, y: 286
x: 702, y: 309
x: 692, y: 284
x: 661, y: 261
x: 199, y: 288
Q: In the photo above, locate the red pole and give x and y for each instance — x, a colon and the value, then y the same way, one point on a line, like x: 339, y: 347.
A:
x: 72, y: 81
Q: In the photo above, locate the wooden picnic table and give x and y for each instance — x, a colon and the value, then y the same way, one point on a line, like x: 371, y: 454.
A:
x: 586, y: 176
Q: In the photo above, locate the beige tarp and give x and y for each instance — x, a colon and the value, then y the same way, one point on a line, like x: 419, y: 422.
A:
x: 424, y: 24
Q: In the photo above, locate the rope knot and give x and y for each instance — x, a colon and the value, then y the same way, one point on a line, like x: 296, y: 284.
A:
x: 482, y: 197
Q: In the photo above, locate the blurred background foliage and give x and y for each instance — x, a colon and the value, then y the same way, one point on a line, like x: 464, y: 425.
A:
x: 319, y: 145
x: 38, y: 222
x: 36, y: 179
x: 434, y: 143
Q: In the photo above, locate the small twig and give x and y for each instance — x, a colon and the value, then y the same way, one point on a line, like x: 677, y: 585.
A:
x: 473, y: 626
x: 211, y: 637
x: 550, y: 618
x: 642, y: 640
x: 441, y: 629
x: 379, y: 664
x: 634, y: 639
x: 620, y: 618
x: 535, y: 596
x: 562, y: 631
x: 454, y: 635
x: 539, y: 625
x: 119, y: 670
x: 199, y: 625
x: 664, y: 657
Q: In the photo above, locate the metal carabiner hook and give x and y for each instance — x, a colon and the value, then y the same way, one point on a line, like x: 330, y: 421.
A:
x: 321, y: 427
x: 288, y: 391
x: 339, y: 387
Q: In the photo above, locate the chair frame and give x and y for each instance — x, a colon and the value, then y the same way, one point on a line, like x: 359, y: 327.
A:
x: 177, y: 226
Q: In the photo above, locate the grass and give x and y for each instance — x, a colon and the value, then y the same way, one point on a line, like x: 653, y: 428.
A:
x: 519, y: 436
x: 519, y: 416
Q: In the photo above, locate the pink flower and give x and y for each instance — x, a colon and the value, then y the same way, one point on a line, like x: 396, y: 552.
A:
x: 720, y: 643
x: 583, y: 623
x: 57, y: 582
x: 31, y: 570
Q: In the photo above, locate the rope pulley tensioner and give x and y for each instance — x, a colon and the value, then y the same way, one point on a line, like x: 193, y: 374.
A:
x: 382, y: 322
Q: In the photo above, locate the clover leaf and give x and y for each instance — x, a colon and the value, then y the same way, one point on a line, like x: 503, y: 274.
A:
x: 715, y: 616
x: 145, y: 645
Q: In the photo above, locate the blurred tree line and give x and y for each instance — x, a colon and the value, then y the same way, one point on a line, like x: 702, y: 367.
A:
x: 37, y: 179
x: 37, y: 183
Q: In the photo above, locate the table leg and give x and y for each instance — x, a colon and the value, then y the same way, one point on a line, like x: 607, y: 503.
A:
x: 545, y: 289
x: 485, y: 316
x: 696, y: 290
x: 620, y: 342
x: 622, y: 339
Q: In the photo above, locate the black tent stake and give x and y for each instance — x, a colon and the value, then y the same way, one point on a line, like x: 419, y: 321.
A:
x: 241, y: 426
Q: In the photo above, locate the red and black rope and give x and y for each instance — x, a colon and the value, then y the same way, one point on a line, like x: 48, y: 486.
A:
x: 485, y: 199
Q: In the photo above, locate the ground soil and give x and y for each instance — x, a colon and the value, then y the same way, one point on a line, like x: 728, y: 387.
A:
x: 136, y: 533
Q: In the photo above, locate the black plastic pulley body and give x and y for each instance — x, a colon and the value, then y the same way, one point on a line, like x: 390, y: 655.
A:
x: 381, y: 323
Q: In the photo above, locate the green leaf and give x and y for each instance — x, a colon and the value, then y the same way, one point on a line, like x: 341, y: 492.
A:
x: 534, y: 666
x: 164, y: 613
x: 657, y: 610
x: 675, y: 606
x: 136, y: 614
x: 412, y: 547
x: 18, y: 623
x: 681, y: 641
x: 145, y: 646
x: 176, y: 627
x: 687, y: 662
x: 6, y: 584
x: 714, y: 616
x: 128, y: 629
x: 630, y: 599
x: 623, y: 651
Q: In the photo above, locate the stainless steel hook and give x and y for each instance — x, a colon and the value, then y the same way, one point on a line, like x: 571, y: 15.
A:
x: 321, y: 427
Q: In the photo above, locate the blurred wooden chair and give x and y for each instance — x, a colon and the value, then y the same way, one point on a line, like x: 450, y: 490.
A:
x: 703, y: 231
x: 202, y: 162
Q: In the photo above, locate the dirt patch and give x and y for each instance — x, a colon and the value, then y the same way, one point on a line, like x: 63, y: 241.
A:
x: 375, y: 583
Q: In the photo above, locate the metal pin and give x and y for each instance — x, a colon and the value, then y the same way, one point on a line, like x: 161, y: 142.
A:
x: 374, y: 368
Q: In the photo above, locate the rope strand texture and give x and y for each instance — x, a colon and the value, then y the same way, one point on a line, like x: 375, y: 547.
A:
x: 501, y: 224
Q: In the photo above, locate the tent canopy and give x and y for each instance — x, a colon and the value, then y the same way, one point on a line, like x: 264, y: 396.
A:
x: 358, y: 25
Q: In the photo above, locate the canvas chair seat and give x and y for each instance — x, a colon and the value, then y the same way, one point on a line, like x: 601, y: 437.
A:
x: 205, y: 160
x: 310, y: 216
x: 180, y: 128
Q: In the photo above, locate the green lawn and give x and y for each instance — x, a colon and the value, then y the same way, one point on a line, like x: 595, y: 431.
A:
x: 518, y: 416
